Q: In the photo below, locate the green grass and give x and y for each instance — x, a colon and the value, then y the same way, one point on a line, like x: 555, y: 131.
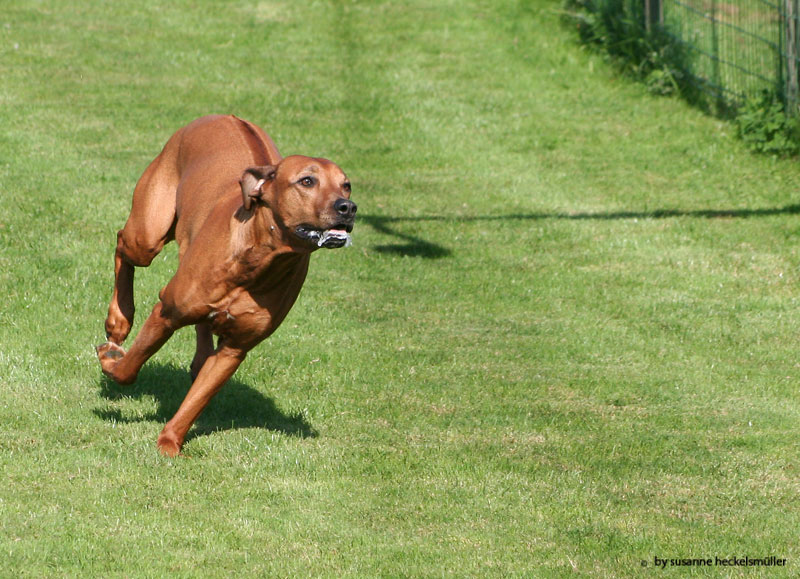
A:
x: 564, y: 340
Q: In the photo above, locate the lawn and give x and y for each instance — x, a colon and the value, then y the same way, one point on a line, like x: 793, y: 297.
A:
x: 563, y: 342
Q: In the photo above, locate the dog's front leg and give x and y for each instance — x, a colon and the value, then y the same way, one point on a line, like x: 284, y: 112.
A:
x: 212, y: 376
x: 123, y: 367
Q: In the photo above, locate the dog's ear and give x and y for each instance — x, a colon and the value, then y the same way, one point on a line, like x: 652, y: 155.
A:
x: 253, y: 181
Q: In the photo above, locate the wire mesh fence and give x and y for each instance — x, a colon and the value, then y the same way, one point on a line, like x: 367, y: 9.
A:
x: 738, y: 48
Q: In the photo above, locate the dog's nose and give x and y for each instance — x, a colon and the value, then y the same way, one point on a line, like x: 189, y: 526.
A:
x: 345, y: 207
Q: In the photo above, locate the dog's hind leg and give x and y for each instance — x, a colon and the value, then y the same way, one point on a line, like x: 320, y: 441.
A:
x: 149, y: 227
x: 205, y: 347
x: 121, y: 308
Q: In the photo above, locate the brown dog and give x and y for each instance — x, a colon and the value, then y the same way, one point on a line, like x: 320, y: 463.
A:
x: 246, y: 221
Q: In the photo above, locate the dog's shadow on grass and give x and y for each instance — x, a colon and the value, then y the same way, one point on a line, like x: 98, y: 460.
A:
x: 237, y: 405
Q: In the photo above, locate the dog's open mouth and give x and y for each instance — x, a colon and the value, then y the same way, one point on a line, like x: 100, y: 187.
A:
x: 327, y: 238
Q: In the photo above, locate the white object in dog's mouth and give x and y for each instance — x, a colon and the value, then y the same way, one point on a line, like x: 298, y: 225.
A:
x: 334, y: 238
x: 328, y: 238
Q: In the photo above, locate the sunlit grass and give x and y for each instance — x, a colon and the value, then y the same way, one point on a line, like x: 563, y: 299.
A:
x: 564, y: 339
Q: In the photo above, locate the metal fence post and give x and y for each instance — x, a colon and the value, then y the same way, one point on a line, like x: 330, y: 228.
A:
x: 792, y: 54
x: 716, y: 73
x: 654, y: 14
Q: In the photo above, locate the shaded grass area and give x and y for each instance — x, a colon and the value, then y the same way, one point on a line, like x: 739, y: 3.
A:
x: 562, y: 343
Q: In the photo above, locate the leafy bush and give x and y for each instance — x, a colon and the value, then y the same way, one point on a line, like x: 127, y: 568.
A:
x: 763, y: 124
x: 663, y: 63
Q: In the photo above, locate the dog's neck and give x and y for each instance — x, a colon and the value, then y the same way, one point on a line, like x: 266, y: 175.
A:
x: 259, y: 242
x: 260, y: 227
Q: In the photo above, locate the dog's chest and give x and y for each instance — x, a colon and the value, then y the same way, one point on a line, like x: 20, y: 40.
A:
x: 239, y: 313
x: 249, y: 316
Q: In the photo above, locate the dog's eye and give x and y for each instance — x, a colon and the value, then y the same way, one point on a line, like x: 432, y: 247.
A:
x: 346, y: 187
x: 307, y: 181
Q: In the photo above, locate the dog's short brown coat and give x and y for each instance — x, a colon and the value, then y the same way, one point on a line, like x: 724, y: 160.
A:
x: 246, y: 221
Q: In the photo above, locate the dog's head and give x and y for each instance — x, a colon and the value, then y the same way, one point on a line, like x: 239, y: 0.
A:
x: 310, y: 199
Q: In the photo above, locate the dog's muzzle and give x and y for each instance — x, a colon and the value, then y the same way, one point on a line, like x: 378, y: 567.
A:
x: 339, y: 234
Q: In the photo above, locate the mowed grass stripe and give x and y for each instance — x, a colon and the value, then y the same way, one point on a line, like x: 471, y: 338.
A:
x: 564, y: 340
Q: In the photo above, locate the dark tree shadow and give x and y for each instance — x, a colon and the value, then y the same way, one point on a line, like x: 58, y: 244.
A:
x: 414, y: 246
x: 237, y: 405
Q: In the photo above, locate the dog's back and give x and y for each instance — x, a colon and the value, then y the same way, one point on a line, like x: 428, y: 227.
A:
x: 209, y: 156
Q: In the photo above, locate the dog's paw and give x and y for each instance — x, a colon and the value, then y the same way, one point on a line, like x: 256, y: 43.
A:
x: 109, y: 350
x: 109, y: 355
x: 168, y: 446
